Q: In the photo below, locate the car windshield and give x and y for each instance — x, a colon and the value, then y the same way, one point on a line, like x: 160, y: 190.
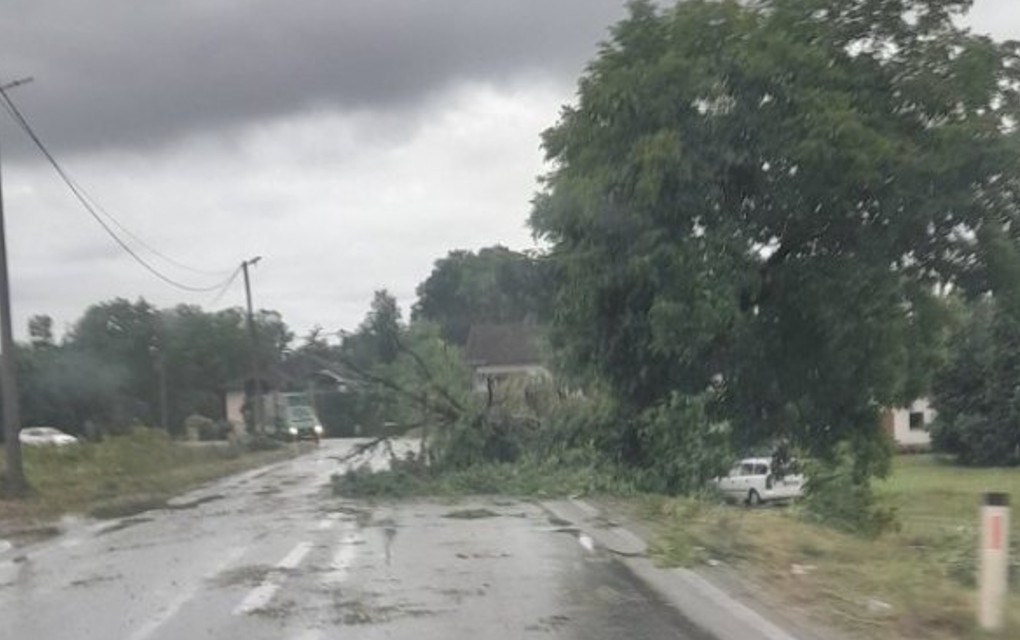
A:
x: 42, y: 431
x: 458, y: 319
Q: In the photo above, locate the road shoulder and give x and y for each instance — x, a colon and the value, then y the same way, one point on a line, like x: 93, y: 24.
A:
x: 713, y: 598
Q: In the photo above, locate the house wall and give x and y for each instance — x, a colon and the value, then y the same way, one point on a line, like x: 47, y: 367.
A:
x: 898, y: 421
x: 234, y: 402
x: 482, y: 373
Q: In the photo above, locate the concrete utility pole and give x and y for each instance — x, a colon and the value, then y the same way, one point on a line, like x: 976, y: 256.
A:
x: 16, y: 482
x: 256, y: 398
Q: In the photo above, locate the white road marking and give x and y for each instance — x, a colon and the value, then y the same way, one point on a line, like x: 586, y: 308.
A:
x: 586, y: 542
x: 327, y: 523
x: 174, y: 605
x: 296, y: 555
x: 309, y: 634
x: 261, y: 595
x: 257, y: 598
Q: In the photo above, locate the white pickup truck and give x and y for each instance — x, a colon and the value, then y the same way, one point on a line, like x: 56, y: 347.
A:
x: 752, y: 481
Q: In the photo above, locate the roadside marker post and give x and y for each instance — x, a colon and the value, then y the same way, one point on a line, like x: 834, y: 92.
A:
x: 993, y: 569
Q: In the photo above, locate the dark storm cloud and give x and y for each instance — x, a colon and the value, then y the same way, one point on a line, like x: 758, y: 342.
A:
x: 129, y: 73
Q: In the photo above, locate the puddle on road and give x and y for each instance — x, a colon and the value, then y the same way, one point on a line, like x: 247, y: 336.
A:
x: 94, y: 580
x: 483, y: 556
x: 278, y: 611
x: 471, y: 514
x: 123, y: 524
x: 29, y: 535
x: 191, y: 504
x: 549, y: 624
x: 362, y: 516
x: 458, y: 595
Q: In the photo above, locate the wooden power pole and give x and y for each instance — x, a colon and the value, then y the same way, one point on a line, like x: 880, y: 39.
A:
x: 256, y: 397
x: 15, y: 474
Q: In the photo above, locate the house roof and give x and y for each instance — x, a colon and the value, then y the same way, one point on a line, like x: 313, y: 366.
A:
x: 503, y: 344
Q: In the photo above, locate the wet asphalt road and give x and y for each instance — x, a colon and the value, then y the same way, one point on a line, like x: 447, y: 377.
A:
x: 272, y: 554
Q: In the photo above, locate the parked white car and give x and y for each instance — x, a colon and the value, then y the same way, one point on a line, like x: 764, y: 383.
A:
x: 752, y: 481
x: 46, y: 436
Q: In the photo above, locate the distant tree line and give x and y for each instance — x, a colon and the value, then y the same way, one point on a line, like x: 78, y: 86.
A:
x: 114, y: 362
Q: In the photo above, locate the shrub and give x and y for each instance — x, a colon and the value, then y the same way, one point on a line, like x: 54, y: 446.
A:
x: 198, y: 427
x: 839, y: 496
x: 685, y: 447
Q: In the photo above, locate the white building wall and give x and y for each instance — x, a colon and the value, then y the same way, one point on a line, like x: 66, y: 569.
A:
x: 902, y: 432
x: 234, y: 403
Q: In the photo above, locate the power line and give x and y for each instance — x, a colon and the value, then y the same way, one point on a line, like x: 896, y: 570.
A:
x: 143, y: 243
x: 82, y: 198
x: 226, y: 285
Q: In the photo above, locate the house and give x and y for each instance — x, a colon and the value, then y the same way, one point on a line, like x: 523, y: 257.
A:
x: 909, y: 425
x: 498, y: 352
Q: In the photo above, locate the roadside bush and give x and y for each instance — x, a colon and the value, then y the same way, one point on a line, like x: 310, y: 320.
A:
x: 198, y: 427
x: 528, y: 476
x: 363, y: 482
x: 838, y: 496
x: 262, y: 443
x: 685, y: 446
x: 959, y: 556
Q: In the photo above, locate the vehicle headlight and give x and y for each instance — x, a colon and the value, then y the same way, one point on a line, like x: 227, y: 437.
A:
x: 292, y: 431
x: 318, y: 429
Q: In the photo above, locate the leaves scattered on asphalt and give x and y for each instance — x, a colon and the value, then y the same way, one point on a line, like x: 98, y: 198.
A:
x: 248, y: 575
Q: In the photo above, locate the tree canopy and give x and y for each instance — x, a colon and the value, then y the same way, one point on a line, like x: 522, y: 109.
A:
x: 494, y: 285
x: 108, y: 368
x: 757, y: 202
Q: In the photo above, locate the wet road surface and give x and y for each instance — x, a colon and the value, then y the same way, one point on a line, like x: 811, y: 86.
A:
x: 272, y: 554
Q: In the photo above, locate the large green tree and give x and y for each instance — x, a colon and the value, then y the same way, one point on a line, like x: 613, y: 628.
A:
x: 754, y: 203
x: 494, y: 285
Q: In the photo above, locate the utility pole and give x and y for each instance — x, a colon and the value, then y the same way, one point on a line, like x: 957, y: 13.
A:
x: 253, y: 349
x: 16, y: 482
x: 160, y: 365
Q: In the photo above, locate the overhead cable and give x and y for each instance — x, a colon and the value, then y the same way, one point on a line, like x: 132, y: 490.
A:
x: 84, y: 200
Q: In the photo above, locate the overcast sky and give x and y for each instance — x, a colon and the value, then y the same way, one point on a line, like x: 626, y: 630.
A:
x: 350, y: 143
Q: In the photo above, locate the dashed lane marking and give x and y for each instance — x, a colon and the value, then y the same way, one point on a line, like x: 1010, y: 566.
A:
x: 174, y: 605
x: 587, y: 542
x: 261, y: 595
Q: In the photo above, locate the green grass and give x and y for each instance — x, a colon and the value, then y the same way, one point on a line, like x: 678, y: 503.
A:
x: 119, y: 476
x: 928, y: 487
x: 924, y: 570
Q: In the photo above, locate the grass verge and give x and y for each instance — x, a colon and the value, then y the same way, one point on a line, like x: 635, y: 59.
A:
x: 119, y: 476
x: 916, y: 582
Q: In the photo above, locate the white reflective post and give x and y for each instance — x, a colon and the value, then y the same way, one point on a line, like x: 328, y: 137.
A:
x: 993, y: 570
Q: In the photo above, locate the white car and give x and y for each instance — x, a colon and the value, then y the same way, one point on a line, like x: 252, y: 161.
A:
x: 46, y: 436
x: 752, y: 481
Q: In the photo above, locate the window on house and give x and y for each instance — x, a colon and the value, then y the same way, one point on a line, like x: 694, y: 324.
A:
x: 916, y: 420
